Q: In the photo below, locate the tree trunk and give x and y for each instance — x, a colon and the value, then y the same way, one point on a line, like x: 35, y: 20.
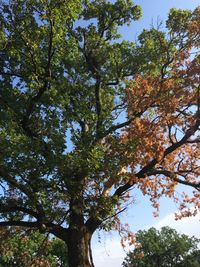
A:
x: 78, y: 244
x: 79, y: 234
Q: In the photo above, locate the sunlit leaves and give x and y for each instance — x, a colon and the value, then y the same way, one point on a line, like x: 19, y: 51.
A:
x: 163, y: 248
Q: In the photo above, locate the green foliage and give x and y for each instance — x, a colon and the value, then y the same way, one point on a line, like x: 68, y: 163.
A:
x: 50, y: 66
x: 163, y: 248
x: 59, y: 250
x: 66, y: 158
x: 178, y: 19
x: 27, y: 248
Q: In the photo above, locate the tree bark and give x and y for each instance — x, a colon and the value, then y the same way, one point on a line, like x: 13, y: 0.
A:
x: 79, y: 235
x: 78, y: 244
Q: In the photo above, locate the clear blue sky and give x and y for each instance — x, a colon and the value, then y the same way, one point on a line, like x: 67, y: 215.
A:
x: 153, y: 10
x: 139, y: 215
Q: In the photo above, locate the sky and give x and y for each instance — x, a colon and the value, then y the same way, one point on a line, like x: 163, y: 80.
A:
x: 107, y: 251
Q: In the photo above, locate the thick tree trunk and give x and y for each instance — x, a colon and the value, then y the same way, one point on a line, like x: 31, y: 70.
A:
x: 78, y: 244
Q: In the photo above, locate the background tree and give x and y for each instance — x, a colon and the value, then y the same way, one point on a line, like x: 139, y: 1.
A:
x: 67, y: 162
x: 163, y: 248
x: 27, y: 248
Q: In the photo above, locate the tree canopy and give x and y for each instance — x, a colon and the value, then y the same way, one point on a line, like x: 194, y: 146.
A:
x: 28, y: 248
x: 163, y: 248
x: 86, y: 117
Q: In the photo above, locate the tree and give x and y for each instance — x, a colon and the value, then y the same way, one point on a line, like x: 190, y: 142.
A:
x: 22, y: 248
x: 163, y: 248
x: 67, y: 162
x: 58, y: 249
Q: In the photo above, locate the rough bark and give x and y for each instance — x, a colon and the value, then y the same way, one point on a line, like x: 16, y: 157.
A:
x: 79, y: 235
x: 78, y: 244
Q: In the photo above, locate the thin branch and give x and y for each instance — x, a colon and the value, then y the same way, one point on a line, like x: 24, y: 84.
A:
x: 9, y: 179
x: 170, y: 133
x: 193, y: 141
x: 112, y: 83
x: 98, y: 105
x: 42, y: 90
x: 173, y: 175
x: 114, y: 215
x: 124, y: 124
x: 10, y: 74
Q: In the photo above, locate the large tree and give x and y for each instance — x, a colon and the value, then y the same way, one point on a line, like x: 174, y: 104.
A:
x: 86, y: 117
x: 163, y: 248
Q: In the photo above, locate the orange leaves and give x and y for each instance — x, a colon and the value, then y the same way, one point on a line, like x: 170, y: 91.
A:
x: 168, y: 107
x: 163, y: 110
x: 150, y: 142
x: 155, y: 187
x: 163, y: 121
x: 194, y: 26
x: 128, y: 239
x: 140, y: 93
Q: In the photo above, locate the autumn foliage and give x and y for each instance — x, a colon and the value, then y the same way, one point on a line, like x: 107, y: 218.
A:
x: 85, y: 118
x: 166, y: 126
x: 27, y: 248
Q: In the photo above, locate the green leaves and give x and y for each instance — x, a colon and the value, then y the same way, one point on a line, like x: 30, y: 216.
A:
x: 120, y: 12
x: 23, y: 248
x: 163, y: 248
x: 72, y: 135
x: 178, y: 20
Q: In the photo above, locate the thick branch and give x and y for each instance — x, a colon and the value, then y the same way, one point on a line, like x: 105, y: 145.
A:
x: 15, y: 208
x: 57, y: 230
x: 149, y: 167
x: 20, y: 223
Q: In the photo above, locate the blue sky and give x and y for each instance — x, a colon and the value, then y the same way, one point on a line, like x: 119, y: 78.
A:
x: 154, y: 10
x: 108, y: 253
